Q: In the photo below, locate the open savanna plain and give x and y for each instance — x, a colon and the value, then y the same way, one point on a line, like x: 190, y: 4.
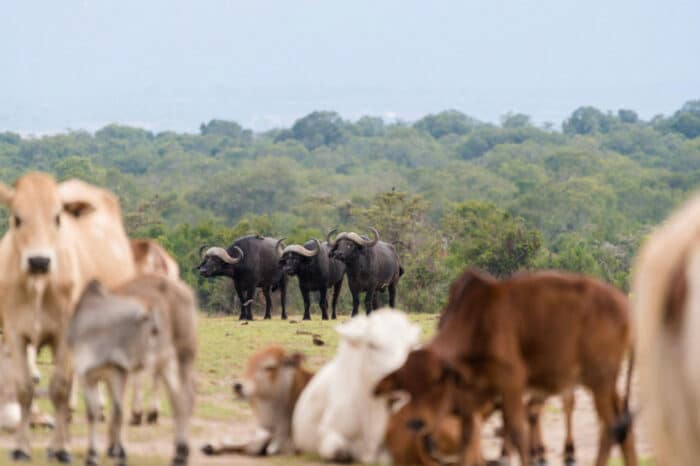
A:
x: 224, y: 346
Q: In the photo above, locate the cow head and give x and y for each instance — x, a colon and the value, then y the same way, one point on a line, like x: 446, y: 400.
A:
x: 348, y: 246
x: 269, y: 374
x: 37, y: 210
x: 295, y: 256
x: 376, y: 344
x: 217, y: 261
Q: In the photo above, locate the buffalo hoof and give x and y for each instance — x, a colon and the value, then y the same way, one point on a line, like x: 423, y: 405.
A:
x: 62, y: 456
x: 152, y: 417
x: 306, y: 318
x: 136, y: 418
x: 284, y: 317
x: 267, y: 317
x: 19, y: 455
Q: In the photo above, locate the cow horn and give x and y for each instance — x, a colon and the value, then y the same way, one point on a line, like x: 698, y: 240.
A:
x: 278, y: 247
x: 329, y: 240
x: 222, y: 254
x: 301, y: 250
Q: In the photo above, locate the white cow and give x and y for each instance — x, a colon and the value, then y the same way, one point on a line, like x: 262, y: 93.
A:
x: 337, y: 416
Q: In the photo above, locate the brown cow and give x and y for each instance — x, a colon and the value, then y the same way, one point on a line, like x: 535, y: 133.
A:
x: 149, y: 258
x: 272, y: 383
x: 665, y: 296
x: 60, y: 237
x: 543, y: 332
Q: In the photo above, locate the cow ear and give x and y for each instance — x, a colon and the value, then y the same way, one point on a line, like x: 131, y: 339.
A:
x: 293, y: 360
x: 78, y: 208
x: 6, y: 194
x: 387, y: 385
x: 353, y: 331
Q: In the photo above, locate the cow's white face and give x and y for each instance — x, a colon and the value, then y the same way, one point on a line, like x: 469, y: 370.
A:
x: 36, y: 217
x: 378, y: 344
x: 269, y: 375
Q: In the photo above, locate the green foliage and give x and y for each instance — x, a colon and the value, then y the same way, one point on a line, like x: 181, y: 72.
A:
x: 450, y: 191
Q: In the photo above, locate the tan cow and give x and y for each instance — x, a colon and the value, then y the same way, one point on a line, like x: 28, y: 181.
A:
x: 272, y: 383
x: 150, y: 258
x: 60, y: 236
x: 666, y: 286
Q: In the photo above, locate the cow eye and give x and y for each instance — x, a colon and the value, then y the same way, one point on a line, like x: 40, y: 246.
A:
x: 270, y: 368
x: 18, y: 221
x: 57, y: 220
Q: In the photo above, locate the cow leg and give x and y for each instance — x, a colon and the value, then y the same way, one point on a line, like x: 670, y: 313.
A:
x: 137, y: 379
x: 307, y: 303
x: 241, y: 300
x: 534, y: 413
x: 181, y: 402
x: 116, y: 384
x: 514, y: 419
x: 336, y: 293
x: 152, y: 417
x: 283, y: 296
x: 323, y: 302
x: 59, y: 392
x: 31, y: 360
x: 355, y: 302
x: 268, y: 303
x: 92, y: 412
x: 608, y: 405
x: 25, y: 394
x: 392, y: 295
x: 568, y: 402
x: 369, y: 301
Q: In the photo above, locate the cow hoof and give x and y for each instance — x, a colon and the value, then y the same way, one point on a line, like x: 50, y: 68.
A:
x: 116, y: 451
x: 208, y: 449
x: 342, y: 457
x: 182, y: 453
x: 136, y: 419
x: 498, y: 462
x: 570, y: 462
x: 152, y: 417
x: 62, y: 456
x: 91, y: 458
x: 19, y: 455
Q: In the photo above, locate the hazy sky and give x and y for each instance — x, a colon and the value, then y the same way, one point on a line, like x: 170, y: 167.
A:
x: 171, y: 64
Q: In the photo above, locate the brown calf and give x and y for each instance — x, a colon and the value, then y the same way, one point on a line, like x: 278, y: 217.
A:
x: 272, y: 383
x: 542, y: 332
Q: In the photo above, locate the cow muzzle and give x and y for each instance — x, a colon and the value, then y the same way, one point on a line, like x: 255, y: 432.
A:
x: 38, y: 262
x: 39, y: 265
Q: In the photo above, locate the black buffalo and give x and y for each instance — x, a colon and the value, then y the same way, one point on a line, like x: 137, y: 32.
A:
x: 371, y: 266
x: 251, y: 262
x: 316, y: 271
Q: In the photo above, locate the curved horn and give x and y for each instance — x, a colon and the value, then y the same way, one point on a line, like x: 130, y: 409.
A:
x: 301, y: 250
x: 278, y: 247
x: 202, y: 248
x: 370, y: 243
x: 222, y: 254
x: 329, y: 240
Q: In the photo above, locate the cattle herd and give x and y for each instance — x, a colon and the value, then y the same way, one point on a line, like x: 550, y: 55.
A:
x: 114, y: 311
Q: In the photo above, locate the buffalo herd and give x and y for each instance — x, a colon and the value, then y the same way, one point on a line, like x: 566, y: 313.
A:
x: 115, y: 312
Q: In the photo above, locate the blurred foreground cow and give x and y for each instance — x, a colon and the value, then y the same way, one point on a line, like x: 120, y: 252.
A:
x: 336, y: 415
x: 316, y: 271
x: 666, y: 287
x: 372, y: 266
x: 149, y: 258
x: 149, y: 323
x: 251, y: 262
x: 501, y: 339
x: 60, y: 237
x: 272, y: 383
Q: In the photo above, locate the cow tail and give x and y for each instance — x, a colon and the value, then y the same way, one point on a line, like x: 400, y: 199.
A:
x: 624, y: 422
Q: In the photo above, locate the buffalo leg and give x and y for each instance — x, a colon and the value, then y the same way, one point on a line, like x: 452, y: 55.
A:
x: 307, y: 303
x: 323, y: 302
x: 283, y: 296
x: 375, y: 300
x: 336, y: 293
x: 369, y: 301
x: 392, y: 295
x: 25, y: 394
x: 268, y: 303
x: 568, y: 402
x: 241, y: 299
x: 355, y: 302
x: 248, y: 305
x: 59, y: 392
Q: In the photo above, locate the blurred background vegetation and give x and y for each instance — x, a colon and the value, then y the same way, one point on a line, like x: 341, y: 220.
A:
x: 450, y: 191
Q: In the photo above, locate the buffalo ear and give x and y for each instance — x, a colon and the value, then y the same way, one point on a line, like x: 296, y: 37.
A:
x: 78, y: 208
x: 6, y: 194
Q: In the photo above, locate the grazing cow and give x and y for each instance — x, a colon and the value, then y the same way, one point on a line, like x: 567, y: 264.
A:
x: 665, y: 288
x: 316, y: 272
x: 272, y: 383
x: 336, y: 415
x: 251, y: 262
x: 149, y: 258
x: 60, y: 236
x: 148, y: 322
x: 542, y: 332
x: 371, y: 265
